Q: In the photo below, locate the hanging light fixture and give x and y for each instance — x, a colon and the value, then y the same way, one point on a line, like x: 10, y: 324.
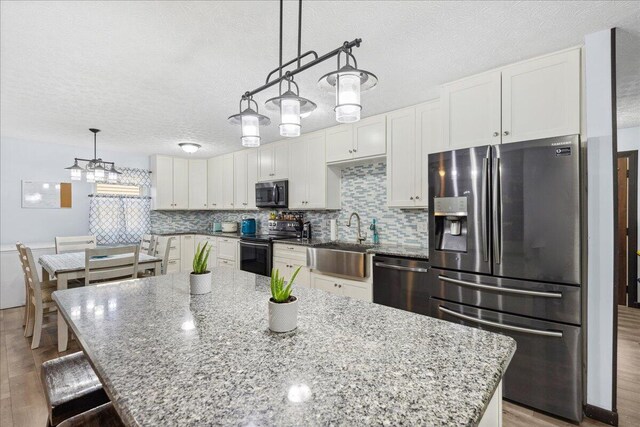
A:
x: 292, y: 107
x: 95, y: 169
x: 348, y: 82
x: 250, y: 120
x: 189, y: 147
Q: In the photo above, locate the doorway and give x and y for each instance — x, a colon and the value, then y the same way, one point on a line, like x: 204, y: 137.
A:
x: 627, y: 193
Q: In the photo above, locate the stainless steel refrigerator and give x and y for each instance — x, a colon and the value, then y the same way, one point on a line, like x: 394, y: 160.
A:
x: 506, y: 249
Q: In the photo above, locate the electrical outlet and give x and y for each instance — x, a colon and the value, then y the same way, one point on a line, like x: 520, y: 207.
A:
x: 423, y: 227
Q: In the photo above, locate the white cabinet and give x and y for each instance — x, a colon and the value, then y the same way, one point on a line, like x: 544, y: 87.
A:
x: 471, y: 111
x: 227, y: 248
x: 532, y: 99
x: 360, y: 140
x: 169, y: 182
x: 412, y: 134
x: 273, y: 161
x: 198, y: 184
x: 214, y: 183
x: 245, y: 169
x: 228, y: 177
x: 344, y: 287
x: 212, y: 242
x: 187, y: 252
x: 287, y: 258
x: 541, y: 97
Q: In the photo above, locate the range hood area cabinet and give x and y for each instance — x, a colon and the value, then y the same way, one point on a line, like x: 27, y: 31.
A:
x: 169, y: 182
x: 361, y: 140
x: 273, y: 161
x: 312, y: 185
x: 412, y: 134
x: 533, y: 99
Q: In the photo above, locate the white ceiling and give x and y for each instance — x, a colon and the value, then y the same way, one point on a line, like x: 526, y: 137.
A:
x: 152, y: 74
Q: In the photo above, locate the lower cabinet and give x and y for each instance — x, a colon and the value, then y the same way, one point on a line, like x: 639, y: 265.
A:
x: 344, y: 287
x: 227, y: 252
x: 226, y: 263
x: 187, y: 252
x: 213, y: 244
x: 287, y: 259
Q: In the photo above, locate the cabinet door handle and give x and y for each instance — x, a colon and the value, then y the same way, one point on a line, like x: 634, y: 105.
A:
x: 205, y: 204
x: 339, y: 286
x: 506, y: 132
x: 335, y: 285
x: 496, y: 134
x: 354, y: 150
x: 417, y: 197
x: 411, y: 198
x: 350, y: 151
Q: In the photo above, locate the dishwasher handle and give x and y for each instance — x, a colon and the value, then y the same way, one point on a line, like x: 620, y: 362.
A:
x: 401, y: 268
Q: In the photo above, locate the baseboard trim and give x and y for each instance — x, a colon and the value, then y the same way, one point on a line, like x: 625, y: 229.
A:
x: 602, y: 415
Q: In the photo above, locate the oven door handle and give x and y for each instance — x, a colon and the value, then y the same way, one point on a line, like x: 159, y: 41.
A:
x: 500, y: 325
x: 261, y: 245
x: 499, y: 289
x: 401, y: 268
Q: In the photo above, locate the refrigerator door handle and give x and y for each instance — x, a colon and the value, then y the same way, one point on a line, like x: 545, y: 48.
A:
x: 497, y: 253
x: 499, y: 289
x: 500, y: 325
x: 483, y: 215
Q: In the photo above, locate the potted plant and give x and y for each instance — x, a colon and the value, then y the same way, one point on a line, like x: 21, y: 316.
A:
x: 283, y: 307
x: 200, y: 278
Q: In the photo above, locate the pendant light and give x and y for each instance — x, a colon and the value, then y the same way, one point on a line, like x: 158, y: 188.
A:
x: 292, y: 107
x: 96, y: 169
x: 348, y: 82
x: 76, y: 171
x: 250, y: 121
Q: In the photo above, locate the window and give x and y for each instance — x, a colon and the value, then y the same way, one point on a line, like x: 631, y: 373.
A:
x: 118, y: 190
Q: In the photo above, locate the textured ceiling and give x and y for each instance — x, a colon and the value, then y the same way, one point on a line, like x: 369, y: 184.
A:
x: 152, y: 74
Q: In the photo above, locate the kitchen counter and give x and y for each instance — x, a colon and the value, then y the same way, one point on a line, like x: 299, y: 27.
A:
x: 409, y: 251
x: 168, y: 358
x: 236, y: 235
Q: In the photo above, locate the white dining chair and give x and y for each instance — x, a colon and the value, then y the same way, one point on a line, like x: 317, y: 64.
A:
x: 147, y: 244
x: 74, y: 243
x: 40, y: 298
x: 162, y: 250
x: 108, y: 264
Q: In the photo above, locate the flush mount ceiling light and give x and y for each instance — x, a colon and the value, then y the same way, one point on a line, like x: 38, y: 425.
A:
x: 95, y: 169
x: 348, y: 82
x: 189, y: 147
x: 250, y: 120
x: 292, y: 107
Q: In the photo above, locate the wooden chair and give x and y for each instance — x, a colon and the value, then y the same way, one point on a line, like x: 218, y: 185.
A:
x: 71, y: 387
x: 148, y: 244
x: 27, y: 291
x: 40, y: 298
x: 108, y: 264
x: 163, y: 247
x: 74, y: 243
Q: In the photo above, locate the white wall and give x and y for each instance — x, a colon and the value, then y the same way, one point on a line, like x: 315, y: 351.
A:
x: 21, y: 160
x: 600, y: 219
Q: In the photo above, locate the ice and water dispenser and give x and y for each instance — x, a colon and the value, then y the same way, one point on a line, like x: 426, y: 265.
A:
x: 450, y: 214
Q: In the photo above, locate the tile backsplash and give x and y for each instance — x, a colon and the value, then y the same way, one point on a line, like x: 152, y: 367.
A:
x: 363, y: 190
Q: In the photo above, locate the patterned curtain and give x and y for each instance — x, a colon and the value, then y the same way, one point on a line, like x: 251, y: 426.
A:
x: 122, y: 219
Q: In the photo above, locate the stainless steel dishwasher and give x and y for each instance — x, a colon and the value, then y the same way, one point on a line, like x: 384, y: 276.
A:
x: 401, y: 283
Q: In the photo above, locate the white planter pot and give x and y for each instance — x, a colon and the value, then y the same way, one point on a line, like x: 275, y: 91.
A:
x: 200, y: 283
x: 283, y: 317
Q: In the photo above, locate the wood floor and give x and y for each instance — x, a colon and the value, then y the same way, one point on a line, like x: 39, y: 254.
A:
x: 22, y: 401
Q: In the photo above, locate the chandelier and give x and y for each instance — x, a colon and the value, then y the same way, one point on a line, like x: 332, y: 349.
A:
x: 348, y: 81
x: 94, y: 170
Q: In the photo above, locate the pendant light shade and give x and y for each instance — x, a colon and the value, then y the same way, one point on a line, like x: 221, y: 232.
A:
x: 90, y: 175
x: 96, y: 169
x: 250, y: 121
x: 99, y: 173
x: 292, y: 107
x: 348, y: 82
x: 76, y: 171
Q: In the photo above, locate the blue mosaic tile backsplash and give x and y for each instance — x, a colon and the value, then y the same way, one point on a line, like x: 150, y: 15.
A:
x: 363, y: 190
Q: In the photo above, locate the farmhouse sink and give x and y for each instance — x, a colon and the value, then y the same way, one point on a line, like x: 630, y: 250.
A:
x: 344, y: 259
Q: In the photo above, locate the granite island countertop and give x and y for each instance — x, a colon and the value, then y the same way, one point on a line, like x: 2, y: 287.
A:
x: 168, y: 358
x: 409, y: 251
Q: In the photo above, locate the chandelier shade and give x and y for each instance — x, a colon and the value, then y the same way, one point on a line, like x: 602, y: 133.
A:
x: 95, y: 169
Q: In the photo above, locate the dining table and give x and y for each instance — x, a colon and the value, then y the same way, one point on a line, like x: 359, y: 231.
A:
x: 167, y: 357
x: 71, y: 265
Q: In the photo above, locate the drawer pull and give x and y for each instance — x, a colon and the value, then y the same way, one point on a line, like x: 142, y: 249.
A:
x: 500, y: 325
x: 505, y: 290
x: 401, y: 268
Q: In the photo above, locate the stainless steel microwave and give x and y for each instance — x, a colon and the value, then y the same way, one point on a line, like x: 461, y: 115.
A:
x: 273, y: 194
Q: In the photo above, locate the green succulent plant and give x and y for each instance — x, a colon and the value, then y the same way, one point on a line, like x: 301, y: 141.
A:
x: 279, y: 292
x: 200, y: 258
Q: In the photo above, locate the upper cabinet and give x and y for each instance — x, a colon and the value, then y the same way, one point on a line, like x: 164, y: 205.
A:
x: 360, y: 140
x: 273, y: 160
x: 541, y: 97
x: 214, y: 183
x: 228, y: 177
x: 169, y: 182
x: 532, y: 99
x: 245, y: 169
x: 412, y: 134
x: 198, y: 184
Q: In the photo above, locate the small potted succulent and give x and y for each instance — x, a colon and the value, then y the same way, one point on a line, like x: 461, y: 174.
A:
x: 200, y: 278
x: 283, y: 307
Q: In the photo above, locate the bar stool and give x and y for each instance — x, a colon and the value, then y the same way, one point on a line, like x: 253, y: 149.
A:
x: 102, y: 416
x: 71, y: 387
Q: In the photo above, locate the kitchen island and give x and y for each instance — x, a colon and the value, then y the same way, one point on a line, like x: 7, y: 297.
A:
x: 168, y: 358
